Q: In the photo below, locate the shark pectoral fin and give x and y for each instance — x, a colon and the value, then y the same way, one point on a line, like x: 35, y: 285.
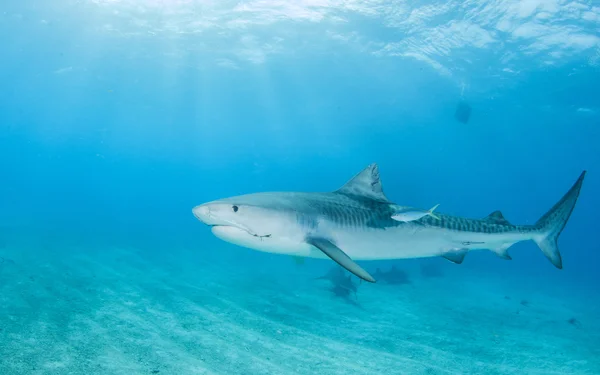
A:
x: 340, y: 257
x: 456, y: 256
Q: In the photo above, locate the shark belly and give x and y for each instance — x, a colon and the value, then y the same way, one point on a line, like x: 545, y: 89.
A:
x: 405, y: 242
x: 402, y: 242
x: 391, y: 243
x: 287, y: 245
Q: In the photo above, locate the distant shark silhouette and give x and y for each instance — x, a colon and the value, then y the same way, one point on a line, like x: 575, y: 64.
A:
x: 342, y: 285
x: 337, y: 277
x: 356, y: 222
x: 393, y: 276
x: 344, y: 293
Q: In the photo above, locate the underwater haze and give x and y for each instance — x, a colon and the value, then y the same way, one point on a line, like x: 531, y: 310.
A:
x: 117, y: 117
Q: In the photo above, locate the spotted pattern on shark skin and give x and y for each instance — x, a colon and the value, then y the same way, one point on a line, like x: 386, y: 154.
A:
x: 367, y: 205
x: 471, y: 225
x: 355, y: 212
x: 307, y: 222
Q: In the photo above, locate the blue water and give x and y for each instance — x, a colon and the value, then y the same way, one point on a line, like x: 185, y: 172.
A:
x: 119, y: 116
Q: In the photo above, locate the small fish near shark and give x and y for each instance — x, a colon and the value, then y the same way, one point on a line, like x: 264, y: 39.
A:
x: 356, y: 222
x: 411, y: 214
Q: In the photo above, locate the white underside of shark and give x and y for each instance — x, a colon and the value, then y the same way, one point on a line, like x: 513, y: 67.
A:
x: 375, y: 244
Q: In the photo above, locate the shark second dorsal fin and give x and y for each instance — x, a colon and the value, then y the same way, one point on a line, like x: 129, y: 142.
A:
x: 496, y: 217
x: 365, y: 184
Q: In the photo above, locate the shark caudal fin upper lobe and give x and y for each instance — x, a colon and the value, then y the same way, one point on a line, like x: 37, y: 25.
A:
x: 553, y: 222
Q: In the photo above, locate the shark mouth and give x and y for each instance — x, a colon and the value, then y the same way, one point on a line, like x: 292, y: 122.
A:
x: 244, y: 229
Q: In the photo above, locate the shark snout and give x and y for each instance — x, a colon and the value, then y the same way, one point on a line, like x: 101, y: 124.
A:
x: 202, y: 213
x: 213, y: 214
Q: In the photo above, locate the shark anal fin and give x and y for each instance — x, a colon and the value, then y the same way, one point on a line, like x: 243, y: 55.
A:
x: 497, y: 218
x: 456, y: 256
x: 502, y: 251
x: 341, y: 258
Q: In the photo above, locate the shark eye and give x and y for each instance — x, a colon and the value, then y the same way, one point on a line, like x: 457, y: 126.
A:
x: 235, y: 208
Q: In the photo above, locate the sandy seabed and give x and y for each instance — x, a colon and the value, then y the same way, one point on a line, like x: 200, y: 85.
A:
x: 112, y: 310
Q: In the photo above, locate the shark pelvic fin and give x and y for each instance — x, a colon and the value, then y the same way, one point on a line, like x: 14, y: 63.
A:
x: 366, y: 184
x: 456, y: 256
x: 497, y: 218
x: 341, y: 258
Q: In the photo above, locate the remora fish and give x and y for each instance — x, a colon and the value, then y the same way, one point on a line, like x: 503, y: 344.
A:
x: 411, y: 214
x: 355, y: 222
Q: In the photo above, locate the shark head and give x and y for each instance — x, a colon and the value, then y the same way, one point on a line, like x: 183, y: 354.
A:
x: 296, y: 223
x: 282, y: 222
x: 258, y: 221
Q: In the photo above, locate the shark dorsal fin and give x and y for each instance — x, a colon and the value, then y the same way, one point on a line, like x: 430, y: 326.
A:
x: 496, y: 217
x: 365, y: 184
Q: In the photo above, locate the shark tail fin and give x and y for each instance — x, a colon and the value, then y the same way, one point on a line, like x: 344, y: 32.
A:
x: 430, y: 212
x: 553, y: 222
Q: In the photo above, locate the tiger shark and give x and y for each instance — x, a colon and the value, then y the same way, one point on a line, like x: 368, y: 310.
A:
x: 355, y: 222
